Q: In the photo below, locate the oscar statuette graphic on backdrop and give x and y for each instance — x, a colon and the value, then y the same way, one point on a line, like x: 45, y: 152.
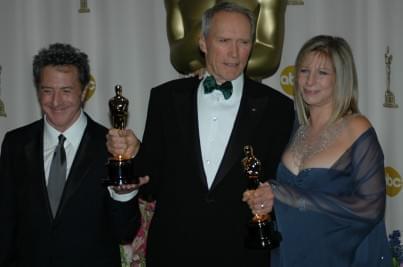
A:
x: 262, y: 231
x: 389, y: 96
x: 2, y: 106
x: 120, y: 170
x: 83, y: 7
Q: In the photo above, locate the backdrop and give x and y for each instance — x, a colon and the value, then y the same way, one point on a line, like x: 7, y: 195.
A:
x: 127, y: 44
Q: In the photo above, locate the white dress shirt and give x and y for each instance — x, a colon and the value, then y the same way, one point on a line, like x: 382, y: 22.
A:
x: 216, y: 117
x: 73, y: 138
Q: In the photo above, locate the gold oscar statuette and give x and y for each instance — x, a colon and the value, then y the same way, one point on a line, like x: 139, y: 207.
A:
x: 262, y: 232
x: 2, y: 106
x: 83, y: 7
x: 120, y: 169
x: 389, y: 96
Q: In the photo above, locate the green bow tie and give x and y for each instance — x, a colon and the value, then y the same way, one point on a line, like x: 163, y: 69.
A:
x: 210, y: 85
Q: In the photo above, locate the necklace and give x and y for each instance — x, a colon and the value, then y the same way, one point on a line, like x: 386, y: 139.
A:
x: 303, y: 149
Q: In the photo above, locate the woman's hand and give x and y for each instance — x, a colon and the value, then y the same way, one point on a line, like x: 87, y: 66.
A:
x: 199, y: 73
x: 260, y: 200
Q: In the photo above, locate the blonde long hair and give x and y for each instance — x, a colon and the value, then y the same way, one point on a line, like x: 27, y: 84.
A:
x: 345, y: 98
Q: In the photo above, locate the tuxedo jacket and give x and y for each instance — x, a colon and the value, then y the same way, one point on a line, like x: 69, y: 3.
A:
x: 194, y: 225
x: 88, y: 225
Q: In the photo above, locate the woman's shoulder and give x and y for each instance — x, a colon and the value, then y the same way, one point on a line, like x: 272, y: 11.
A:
x: 356, y: 125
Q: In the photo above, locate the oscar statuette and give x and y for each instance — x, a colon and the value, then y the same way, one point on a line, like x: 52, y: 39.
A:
x: 2, y: 107
x: 389, y: 96
x: 120, y: 169
x: 83, y: 7
x: 262, y: 233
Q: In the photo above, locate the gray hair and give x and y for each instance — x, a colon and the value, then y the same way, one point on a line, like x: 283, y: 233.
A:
x: 59, y: 54
x: 227, y: 7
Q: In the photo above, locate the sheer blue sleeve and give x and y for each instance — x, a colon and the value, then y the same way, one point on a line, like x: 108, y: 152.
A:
x: 355, y: 188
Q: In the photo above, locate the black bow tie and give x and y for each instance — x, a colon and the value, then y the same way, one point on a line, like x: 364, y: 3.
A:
x: 210, y: 85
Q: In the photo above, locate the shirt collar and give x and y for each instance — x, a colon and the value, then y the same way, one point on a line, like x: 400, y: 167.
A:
x: 73, y: 134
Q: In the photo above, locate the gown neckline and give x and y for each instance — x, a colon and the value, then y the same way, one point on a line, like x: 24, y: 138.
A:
x: 305, y: 170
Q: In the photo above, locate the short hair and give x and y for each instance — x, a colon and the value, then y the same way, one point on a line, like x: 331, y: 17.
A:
x: 227, y: 7
x: 345, y: 95
x: 59, y: 54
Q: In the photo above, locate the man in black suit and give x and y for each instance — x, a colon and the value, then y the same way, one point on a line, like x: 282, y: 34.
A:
x: 193, y: 146
x: 74, y: 220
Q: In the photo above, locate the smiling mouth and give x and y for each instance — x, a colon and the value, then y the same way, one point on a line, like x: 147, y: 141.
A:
x: 310, y: 92
x: 231, y: 64
x: 58, y: 110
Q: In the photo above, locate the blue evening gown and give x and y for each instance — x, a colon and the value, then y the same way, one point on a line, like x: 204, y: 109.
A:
x: 334, y: 217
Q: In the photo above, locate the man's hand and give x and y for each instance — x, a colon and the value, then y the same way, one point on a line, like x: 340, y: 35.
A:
x: 122, y: 143
x: 127, y: 188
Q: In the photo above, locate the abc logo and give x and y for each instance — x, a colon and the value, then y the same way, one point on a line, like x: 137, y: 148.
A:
x: 287, y: 80
x: 393, y: 181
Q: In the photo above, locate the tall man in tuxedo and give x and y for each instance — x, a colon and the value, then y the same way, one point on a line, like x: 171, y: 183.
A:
x: 193, y: 145
x: 54, y: 212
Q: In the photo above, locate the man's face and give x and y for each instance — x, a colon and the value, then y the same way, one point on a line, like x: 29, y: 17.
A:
x: 227, y: 46
x: 60, y: 95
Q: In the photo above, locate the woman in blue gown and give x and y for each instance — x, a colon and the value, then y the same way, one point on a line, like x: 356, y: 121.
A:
x: 329, y: 196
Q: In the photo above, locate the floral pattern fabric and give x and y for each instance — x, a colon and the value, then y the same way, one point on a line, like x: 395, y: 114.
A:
x: 133, y: 255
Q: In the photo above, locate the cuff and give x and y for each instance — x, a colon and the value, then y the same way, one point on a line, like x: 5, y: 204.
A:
x: 122, y: 197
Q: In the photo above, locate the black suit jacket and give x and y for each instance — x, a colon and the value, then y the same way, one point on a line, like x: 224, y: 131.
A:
x: 194, y: 225
x: 88, y: 225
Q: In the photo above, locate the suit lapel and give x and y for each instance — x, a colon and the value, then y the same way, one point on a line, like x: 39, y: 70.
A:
x: 185, y: 103
x: 250, y: 113
x: 34, y: 155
